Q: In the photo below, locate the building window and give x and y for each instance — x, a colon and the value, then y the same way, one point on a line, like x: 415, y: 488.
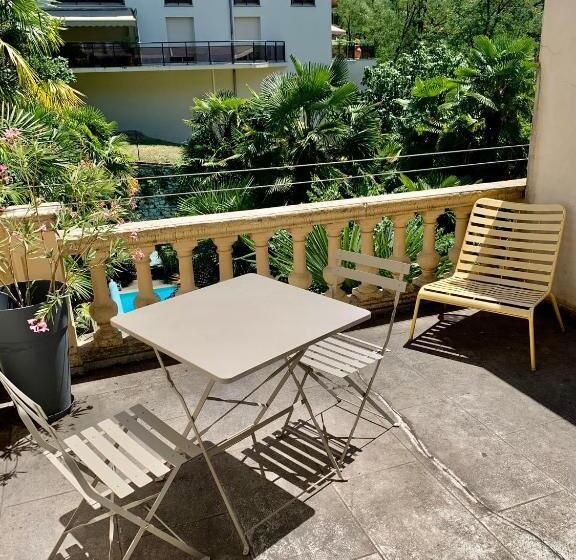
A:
x: 303, y: 3
x: 246, y: 2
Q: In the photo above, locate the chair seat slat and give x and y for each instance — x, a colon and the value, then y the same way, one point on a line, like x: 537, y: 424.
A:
x: 100, y: 469
x: 319, y: 366
x: 359, y: 356
x: 323, y: 358
x: 347, y: 360
x: 116, y: 457
x: 134, y: 448
x: 473, y: 239
x: 149, y: 439
x: 166, y: 431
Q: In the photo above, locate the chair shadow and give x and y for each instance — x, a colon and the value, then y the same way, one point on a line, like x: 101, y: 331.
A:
x: 194, y: 509
x: 500, y: 345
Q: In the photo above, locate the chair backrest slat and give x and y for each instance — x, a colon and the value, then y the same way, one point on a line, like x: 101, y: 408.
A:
x: 397, y: 268
x: 368, y: 278
x: 512, y: 244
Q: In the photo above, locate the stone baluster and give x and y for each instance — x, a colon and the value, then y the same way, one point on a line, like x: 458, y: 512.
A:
x: 185, y: 251
x: 428, y: 258
x: 399, y: 250
x: 367, y: 291
x: 261, y: 242
x: 102, y: 308
x: 462, y: 216
x: 300, y: 275
x: 333, y: 232
x: 146, y: 295
x: 225, y: 263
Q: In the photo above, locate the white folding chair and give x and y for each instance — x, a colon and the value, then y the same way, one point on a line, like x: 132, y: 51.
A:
x: 109, y: 461
x: 342, y: 356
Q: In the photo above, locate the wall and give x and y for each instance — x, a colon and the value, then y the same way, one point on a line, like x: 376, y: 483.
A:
x: 306, y: 30
x: 553, y: 148
x: 156, y: 102
x: 356, y: 69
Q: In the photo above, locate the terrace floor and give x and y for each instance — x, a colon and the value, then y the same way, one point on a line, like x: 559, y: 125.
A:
x: 485, y: 467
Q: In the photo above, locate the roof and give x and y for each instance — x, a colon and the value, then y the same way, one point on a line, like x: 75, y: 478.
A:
x: 337, y: 31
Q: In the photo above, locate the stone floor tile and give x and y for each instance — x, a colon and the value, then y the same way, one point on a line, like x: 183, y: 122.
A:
x: 552, y: 519
x: 504, y: 409
x: 552, y: 447
x: 409, y: 515
x: 331, y: 532
x: 488, y: 465
x: 29, y: 531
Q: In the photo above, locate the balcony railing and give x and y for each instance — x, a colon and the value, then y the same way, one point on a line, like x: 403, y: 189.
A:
x: 348, y: 50
x: 107, y: 55
x: 224, y: 229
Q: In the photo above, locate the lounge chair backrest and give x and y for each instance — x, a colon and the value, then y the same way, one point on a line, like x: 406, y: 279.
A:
x: 512, y: 244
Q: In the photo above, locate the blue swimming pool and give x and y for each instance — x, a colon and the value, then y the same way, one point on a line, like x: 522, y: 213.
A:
x: 125, y: 300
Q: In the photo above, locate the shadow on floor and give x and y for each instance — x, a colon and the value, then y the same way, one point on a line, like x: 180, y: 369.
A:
x: 194, y: 510
x: 500, y: 345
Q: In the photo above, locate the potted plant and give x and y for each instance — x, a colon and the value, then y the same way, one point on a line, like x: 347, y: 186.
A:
x: 46, y: 251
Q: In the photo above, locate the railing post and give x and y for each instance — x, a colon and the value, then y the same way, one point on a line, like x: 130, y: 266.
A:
x: 462, y: 216
x: 261, y: 244
x: 365, y: 291
x: 333, y: 232
x: 428, y: 258
x: 185, y: 252
x: 102, y: 308
x: 163, y: 59
x: 300, y: 275
x: 225, y: 263
x: 233, y: 52
x: 209, y: 53
x: 146, y: 295
x: 399, y: 251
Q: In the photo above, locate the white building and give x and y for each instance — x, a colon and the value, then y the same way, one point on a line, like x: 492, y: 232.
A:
x: 144, y: 61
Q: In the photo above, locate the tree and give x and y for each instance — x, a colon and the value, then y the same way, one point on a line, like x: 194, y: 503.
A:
x: 29, y: 37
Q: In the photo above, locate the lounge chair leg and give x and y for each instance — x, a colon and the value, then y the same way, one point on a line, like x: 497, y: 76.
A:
x: 557, y: 311
x: 414, y: 318
x: 532, y: 343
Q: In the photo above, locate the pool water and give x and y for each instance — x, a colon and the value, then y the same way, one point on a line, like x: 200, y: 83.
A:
x: 126, y: 300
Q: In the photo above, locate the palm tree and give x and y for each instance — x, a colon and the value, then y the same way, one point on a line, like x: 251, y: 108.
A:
x: 313, y: 115
x: 28, y: 34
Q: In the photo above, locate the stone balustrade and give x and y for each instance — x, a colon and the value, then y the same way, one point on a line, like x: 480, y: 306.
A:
x: 183, y: 233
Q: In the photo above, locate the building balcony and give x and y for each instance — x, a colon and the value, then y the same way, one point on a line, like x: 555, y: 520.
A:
x: 193, y: 53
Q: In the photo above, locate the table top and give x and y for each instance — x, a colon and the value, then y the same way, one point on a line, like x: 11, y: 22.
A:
x: 233, y: 328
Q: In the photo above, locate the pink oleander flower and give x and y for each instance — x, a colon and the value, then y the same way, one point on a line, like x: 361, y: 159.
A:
x: 11, y: 135
x: 139, y: 255
x: 38, y: 325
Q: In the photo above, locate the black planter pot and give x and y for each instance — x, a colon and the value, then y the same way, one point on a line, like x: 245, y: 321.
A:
x: 37, y: 363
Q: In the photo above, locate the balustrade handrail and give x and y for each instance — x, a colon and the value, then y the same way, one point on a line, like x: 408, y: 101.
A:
x: 170, y: 230
x: 123, y: 54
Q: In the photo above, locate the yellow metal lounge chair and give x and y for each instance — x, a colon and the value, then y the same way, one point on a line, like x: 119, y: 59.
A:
x: 506, y: 264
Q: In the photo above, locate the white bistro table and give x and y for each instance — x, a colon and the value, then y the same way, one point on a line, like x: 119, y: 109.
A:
x: 232, y: 329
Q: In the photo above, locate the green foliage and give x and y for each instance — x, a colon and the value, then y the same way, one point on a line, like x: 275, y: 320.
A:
x: 397, y: 26
x: 56, y: 154
x: 29, y: 38
x: 485, y: 102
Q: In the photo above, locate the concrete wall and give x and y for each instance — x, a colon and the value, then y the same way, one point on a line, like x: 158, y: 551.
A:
x: 305, y: 29
x: 356, y: 69
x: 551, y: 175
x: 156, y: 102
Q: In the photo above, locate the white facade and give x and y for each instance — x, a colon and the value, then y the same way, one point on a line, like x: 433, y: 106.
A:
x: 551, y: 174
x: 155, y: 99
x: 306, y: 30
